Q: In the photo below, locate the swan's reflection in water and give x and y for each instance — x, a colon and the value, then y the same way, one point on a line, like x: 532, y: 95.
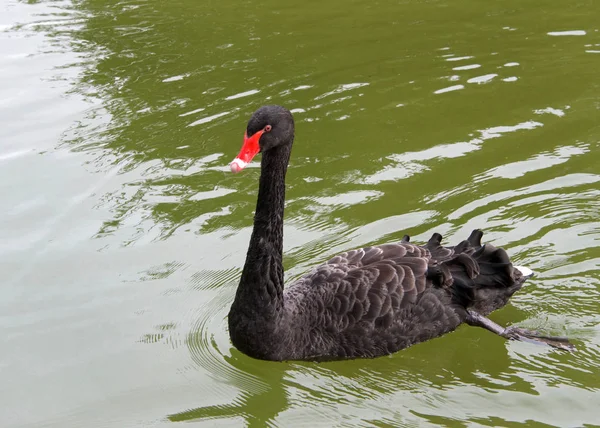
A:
x: 258, y: 403
x: 271, y: 393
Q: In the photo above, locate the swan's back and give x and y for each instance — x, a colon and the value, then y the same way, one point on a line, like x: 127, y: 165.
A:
x: 376, y: 300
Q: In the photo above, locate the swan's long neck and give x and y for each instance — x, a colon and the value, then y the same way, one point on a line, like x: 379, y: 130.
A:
x: 260, y: 292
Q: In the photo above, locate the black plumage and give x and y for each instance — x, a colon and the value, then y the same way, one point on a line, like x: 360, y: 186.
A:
x: 365, y: 302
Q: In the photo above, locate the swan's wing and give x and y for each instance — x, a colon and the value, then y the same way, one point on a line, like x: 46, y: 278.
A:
x: 367, y: 285
x: 382, y: 302
x: 433, y: 249
x: 441, y: 254
x: 376, y: 300
x: 368, y: 255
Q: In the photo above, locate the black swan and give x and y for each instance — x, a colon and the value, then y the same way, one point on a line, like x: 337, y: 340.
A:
x: 365, y: 302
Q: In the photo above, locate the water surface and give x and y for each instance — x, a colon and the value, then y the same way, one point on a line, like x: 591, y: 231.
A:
x: 123, y: 234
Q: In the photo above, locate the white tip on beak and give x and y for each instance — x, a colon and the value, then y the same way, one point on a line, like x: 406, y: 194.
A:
x: 237, y: 165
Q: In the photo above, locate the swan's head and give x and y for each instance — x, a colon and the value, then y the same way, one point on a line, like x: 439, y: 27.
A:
x: 269, y: 127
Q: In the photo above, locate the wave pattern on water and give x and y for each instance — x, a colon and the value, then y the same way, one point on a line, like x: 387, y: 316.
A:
x: 124, y: 233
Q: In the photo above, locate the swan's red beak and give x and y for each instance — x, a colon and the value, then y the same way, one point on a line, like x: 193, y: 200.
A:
x: 249, y: 149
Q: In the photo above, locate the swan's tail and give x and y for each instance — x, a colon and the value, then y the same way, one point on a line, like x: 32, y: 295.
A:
x: 481, y: 277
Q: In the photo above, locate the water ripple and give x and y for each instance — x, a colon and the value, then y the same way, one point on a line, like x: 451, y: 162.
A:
x: 537, y: 162
x: 571, y: 180
x: 410, y: 163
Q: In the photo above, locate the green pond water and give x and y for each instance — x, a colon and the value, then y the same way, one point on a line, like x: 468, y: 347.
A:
x: 123, y: 232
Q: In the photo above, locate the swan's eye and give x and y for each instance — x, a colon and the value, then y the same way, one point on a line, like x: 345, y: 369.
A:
x: 267, y: 128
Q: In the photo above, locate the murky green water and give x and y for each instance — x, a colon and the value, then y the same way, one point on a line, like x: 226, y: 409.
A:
x: 123, y: 234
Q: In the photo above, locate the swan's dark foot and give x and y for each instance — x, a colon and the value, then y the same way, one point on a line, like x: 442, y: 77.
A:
x: 531, y: 336
x: 517, y: 333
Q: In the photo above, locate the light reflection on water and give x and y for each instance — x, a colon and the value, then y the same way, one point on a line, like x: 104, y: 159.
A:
x: 124, y: 233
